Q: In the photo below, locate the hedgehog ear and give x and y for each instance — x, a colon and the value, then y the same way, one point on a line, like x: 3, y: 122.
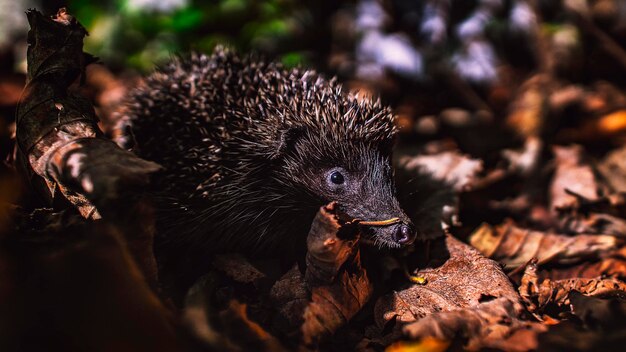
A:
x: 287, y: 140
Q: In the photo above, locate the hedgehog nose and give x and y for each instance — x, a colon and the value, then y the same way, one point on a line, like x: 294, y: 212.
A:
x: 404, y: 234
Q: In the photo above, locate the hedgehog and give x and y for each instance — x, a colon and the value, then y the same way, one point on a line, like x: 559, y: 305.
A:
x: 251, y: 150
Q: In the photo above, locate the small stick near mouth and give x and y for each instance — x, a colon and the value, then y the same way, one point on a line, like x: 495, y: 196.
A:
x: 379, y: 222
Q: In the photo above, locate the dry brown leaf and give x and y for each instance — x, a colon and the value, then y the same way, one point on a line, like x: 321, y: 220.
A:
x: 613, y: 169
x: 62, y: 150
x: 431, y: 186
x: 464, y: 280
x: 593, y: 223
x: 603, y: 215
x: 526, y: 160
x: 573, y: 175
x: 613, y: 266
x: 328, y: 249
x: 493, y: 324
x: 336, y: 295
x: 527, y: 110
x: 467, y: 295
x: 451, y: 167
x: 514, y: 246
x: 600, y: 326
x: 538, y: 293
x: 606, y: 313
x: 606, y: 126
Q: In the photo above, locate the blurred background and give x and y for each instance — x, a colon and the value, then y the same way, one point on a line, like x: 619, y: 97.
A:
x: 548, y: 68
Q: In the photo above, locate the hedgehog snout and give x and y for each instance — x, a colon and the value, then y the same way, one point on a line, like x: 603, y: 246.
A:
x: 397, y: 235
x: 404, y: 234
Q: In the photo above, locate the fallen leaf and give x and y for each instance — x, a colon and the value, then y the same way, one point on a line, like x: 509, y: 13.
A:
x: 493, y: 324
x: 451, y: 167
x: 573, y: 175
x: 526, y: 160
x: 468, y: 295
x: 611, y: 266
x: 599, y: 325
x: 613, y: 169
x: 514, y: 246
x: 527, y: 110
x: 336, y: 295
x: 593, y: 223
x: 539, y: 293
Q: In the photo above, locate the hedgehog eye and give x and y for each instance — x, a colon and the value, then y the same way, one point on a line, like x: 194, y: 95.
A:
x: 336, y: 177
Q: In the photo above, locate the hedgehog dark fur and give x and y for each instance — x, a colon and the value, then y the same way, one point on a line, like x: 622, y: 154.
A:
x: 251, y: 150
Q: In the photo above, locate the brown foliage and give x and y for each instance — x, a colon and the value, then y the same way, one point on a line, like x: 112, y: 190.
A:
x: 540, y: 293
x: 514, y: 246
x: 467, y: 296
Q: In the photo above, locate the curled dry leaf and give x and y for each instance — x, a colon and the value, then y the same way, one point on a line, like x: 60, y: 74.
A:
x: 514, y: 246
x: 613, y: 203
x: 538, y: 293
x: 468, y: 295
x: 331, y: 240
x: 339, y: 285
x: 464, y: 279
x: 60, y: 146
x: 60, y: 150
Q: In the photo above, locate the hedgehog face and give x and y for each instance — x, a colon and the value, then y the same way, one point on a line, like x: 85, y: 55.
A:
x: 359, y: 177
